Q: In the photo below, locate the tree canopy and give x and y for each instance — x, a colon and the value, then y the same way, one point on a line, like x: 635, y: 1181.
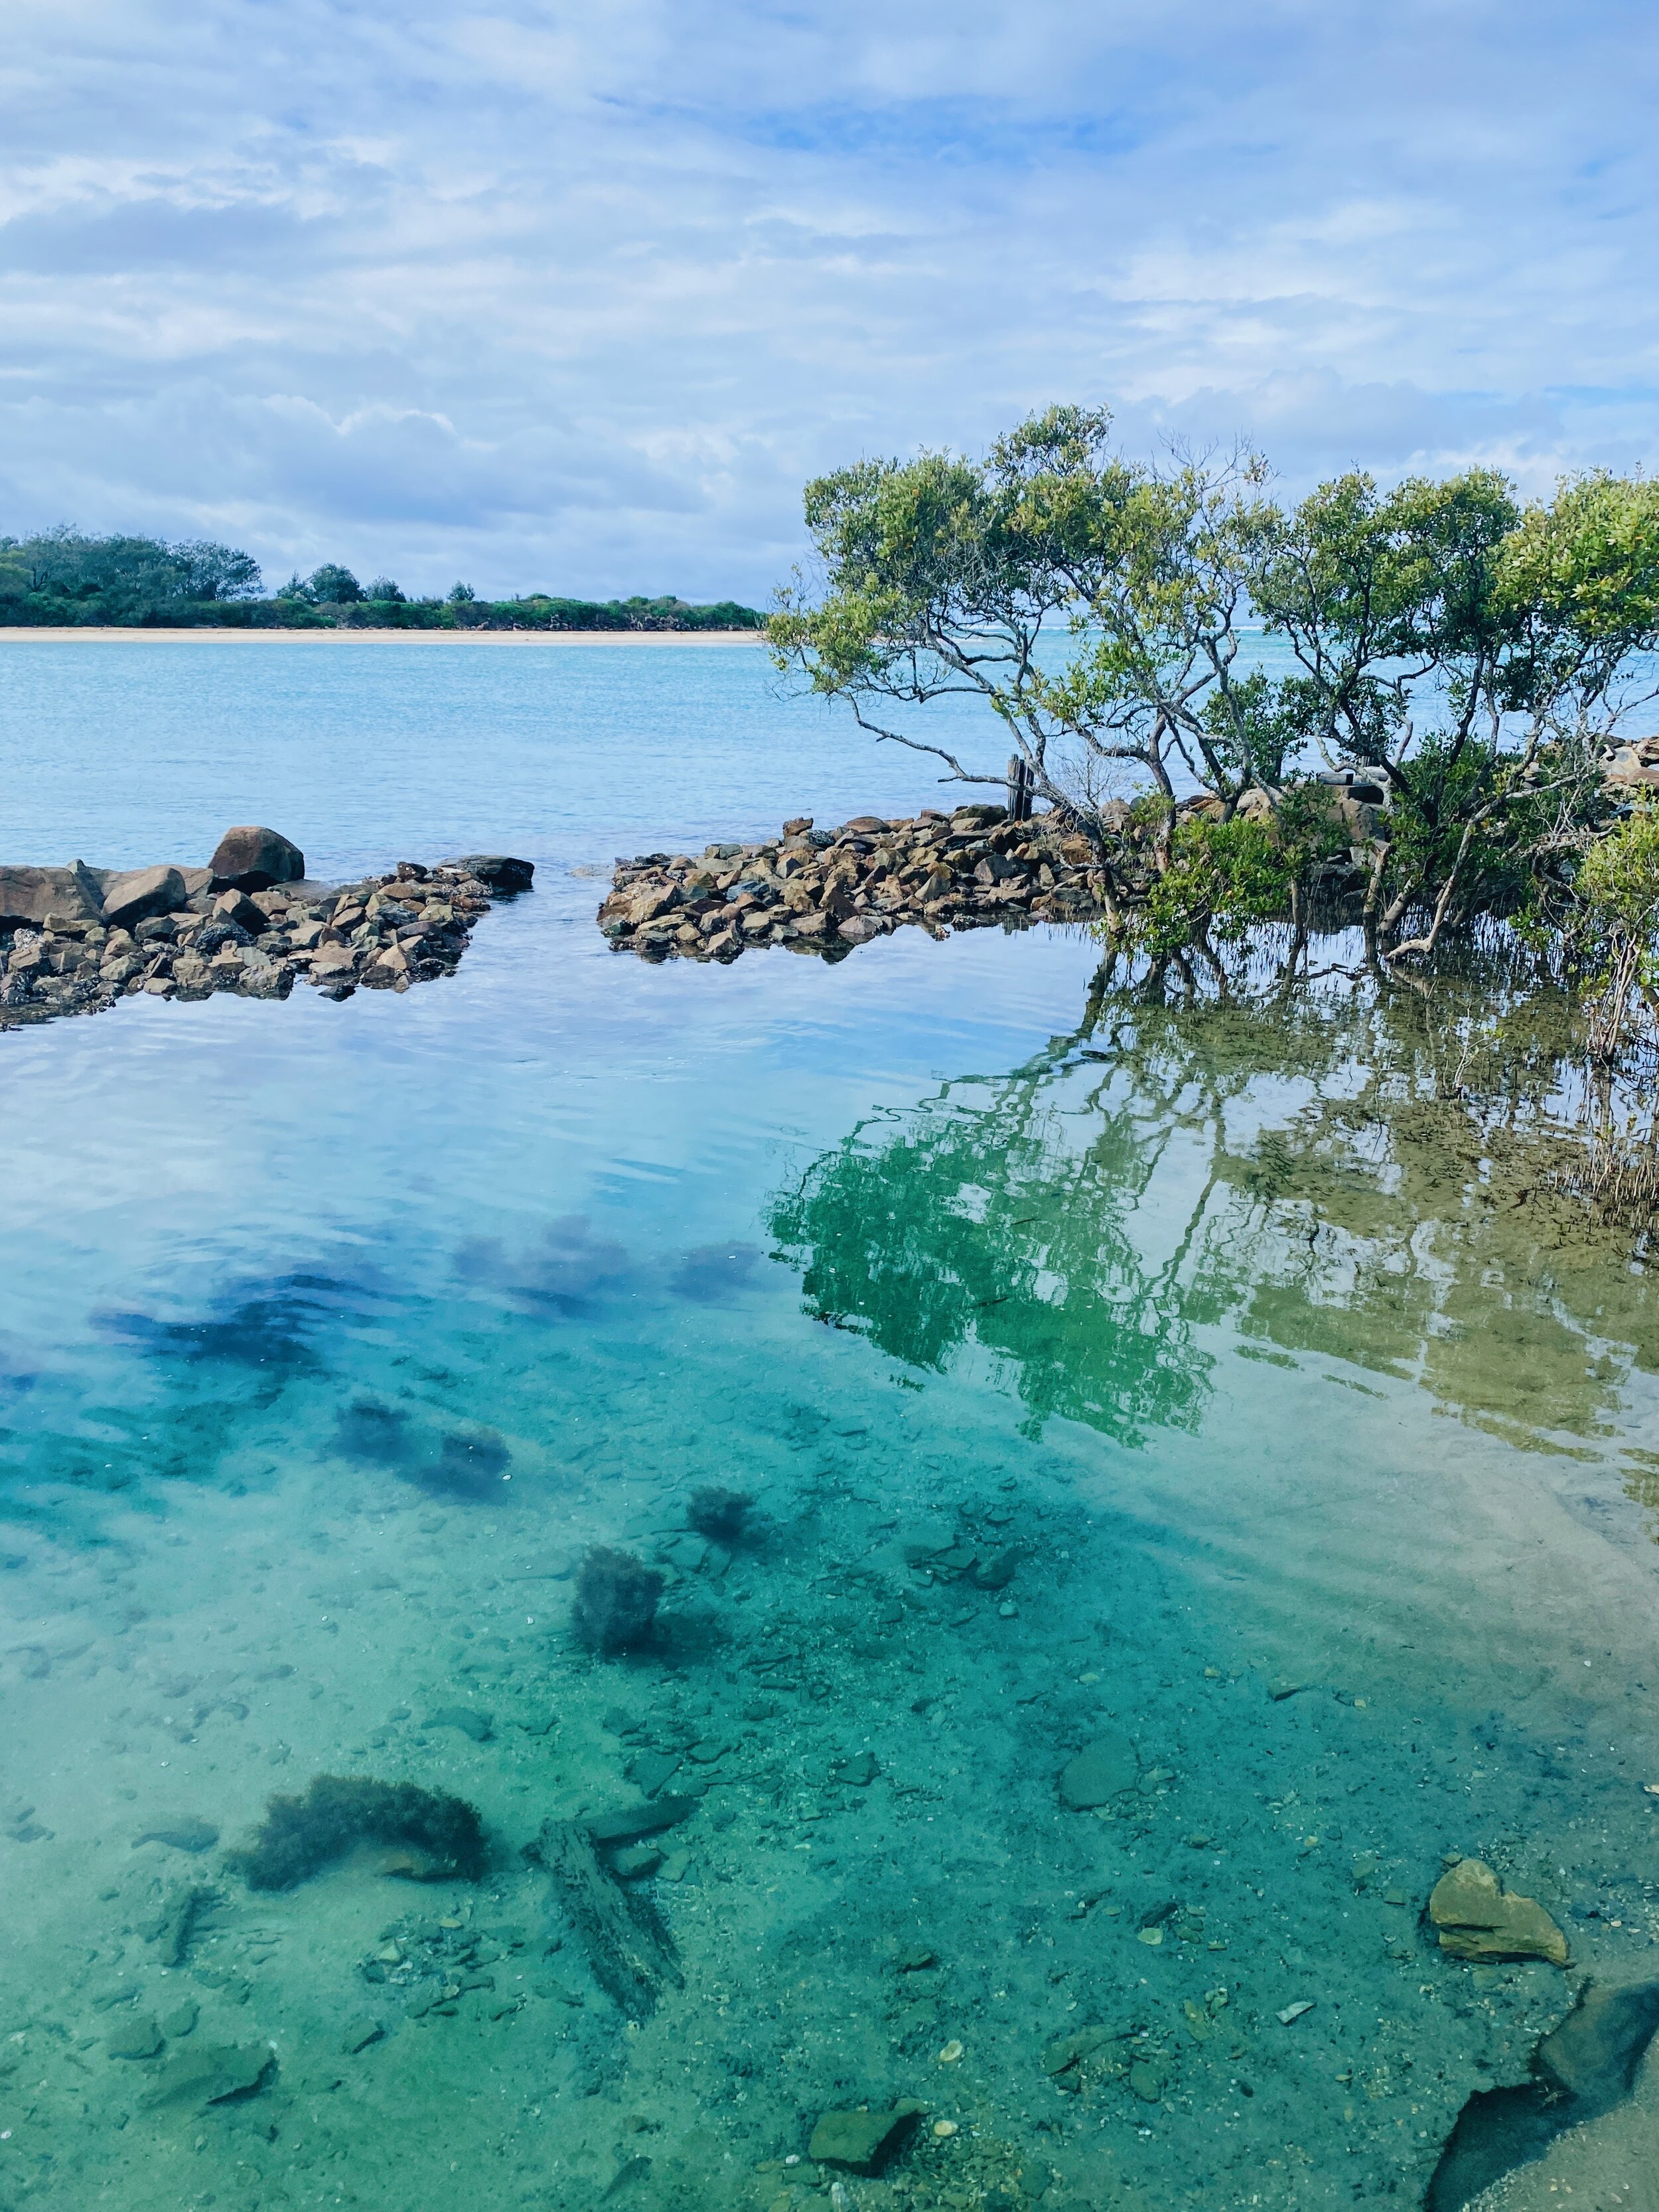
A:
x: 1467, y: 651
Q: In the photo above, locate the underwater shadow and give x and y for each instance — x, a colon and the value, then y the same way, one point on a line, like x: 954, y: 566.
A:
x: 567, y: 1272
x: 1582, y: 2070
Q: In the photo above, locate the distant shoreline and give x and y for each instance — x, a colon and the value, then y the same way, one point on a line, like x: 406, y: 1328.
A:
x: 25, y: 633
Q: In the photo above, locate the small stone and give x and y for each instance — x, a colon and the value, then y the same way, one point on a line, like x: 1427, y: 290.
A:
x: 636, y: 1861
x: 1478, y: 1918
x: 470, y: 1722
x: 861, y: 2142
x: 861, y: 1768
x: 136, y: 2038
x: 209, y: 2073
x: 360, y: 2034
x: 1286, y: 1687
x: 1102, y: 1771
x: 950, y: 2052
x: 181, y: 2020
x: 943, y: 2128
x: 1149, y: 2078
x: 640, y: 1821
x: 998, y: 1571
x: 913, y: 1961
x: 1007, y: 1610
x: 1295, y: 2011
x: 650, y: 1770
x: 185, y: 1834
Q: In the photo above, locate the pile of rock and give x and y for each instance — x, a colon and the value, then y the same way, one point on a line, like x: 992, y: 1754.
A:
x: 74, y: 939
x: 826, y: 890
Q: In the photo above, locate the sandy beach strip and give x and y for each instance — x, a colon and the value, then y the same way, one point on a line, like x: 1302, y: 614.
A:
x: 24, y: 634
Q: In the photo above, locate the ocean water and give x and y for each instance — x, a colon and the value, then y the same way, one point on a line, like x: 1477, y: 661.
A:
x: 1227, y: 1385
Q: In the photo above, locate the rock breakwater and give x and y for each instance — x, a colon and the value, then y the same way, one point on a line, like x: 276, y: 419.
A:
x: 75, y: 940
x: 826, y: 890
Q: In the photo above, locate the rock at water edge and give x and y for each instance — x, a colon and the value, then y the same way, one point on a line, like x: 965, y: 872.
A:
x: 138, y: 894
x: 252, y: 858
x: 499, y: 870
x: 29, y: 895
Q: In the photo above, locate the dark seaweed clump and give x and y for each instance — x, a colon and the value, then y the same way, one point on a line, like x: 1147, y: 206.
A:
x: 722, y: 1514
x: 373, y: 1433
x: 615, y: 1604
x: 301, y: 1836
x: 469, y: 1465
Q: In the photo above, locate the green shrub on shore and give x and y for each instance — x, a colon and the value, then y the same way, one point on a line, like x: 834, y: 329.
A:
x: 1463, y: 657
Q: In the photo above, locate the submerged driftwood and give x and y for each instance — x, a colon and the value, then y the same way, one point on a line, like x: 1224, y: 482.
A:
x: 629, y: 1949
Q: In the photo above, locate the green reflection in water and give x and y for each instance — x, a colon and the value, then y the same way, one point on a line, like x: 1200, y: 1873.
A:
x: 1380, y: 1181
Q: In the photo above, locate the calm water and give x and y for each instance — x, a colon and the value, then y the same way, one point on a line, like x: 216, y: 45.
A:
x: 1325, y: 1436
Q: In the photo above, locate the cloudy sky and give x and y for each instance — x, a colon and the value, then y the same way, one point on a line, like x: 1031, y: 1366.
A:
x: 574, y: 297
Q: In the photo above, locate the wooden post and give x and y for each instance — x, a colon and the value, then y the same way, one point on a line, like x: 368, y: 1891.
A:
x: 1019, y: 788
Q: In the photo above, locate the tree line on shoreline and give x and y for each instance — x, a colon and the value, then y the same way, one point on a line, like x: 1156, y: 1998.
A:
x: 64, y: 578
x: 1442, y: 750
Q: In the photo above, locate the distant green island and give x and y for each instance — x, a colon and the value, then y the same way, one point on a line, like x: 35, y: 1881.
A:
x: 63, y: 578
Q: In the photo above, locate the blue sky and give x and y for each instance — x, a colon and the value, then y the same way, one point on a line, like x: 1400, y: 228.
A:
x: 575, y: 297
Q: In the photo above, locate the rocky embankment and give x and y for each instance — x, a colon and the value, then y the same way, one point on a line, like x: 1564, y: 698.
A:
x: 74, y: 940
x: 826, y: 890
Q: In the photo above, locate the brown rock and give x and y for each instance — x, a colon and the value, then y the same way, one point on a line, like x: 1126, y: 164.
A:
x: 1478, y: 1919
x: 251, y: 859
x: 651, y: 903
x: 29, y: 895
x: 135, y: 896
x: 238, y: 907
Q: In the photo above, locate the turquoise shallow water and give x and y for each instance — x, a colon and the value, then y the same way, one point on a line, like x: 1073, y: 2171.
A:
x: 1323, y: 1438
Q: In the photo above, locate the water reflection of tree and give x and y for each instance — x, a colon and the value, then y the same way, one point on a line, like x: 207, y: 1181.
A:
x: 1382, y: 1179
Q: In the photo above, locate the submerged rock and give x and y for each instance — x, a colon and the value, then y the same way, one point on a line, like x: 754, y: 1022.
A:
x: 1478, y: 1919
x: 187, y: 1833
x: 480, y: 1727
x: 1100, y: 1770
x: 862, y: 2142
x: 212, y: 2074
x: 136, y: 2038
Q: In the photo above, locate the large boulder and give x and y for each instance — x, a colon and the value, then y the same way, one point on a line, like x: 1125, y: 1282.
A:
x: 30, y: 894
x: 250, y: 859
x: 134, y: 896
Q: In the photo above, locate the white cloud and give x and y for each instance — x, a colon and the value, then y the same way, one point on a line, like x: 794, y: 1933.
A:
x: 576, y: 296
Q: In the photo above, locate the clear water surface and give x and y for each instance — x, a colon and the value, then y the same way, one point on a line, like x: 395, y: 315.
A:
x: 1215, y: 1383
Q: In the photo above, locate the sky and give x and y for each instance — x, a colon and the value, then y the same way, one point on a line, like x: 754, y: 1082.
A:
x: 576, y: 297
